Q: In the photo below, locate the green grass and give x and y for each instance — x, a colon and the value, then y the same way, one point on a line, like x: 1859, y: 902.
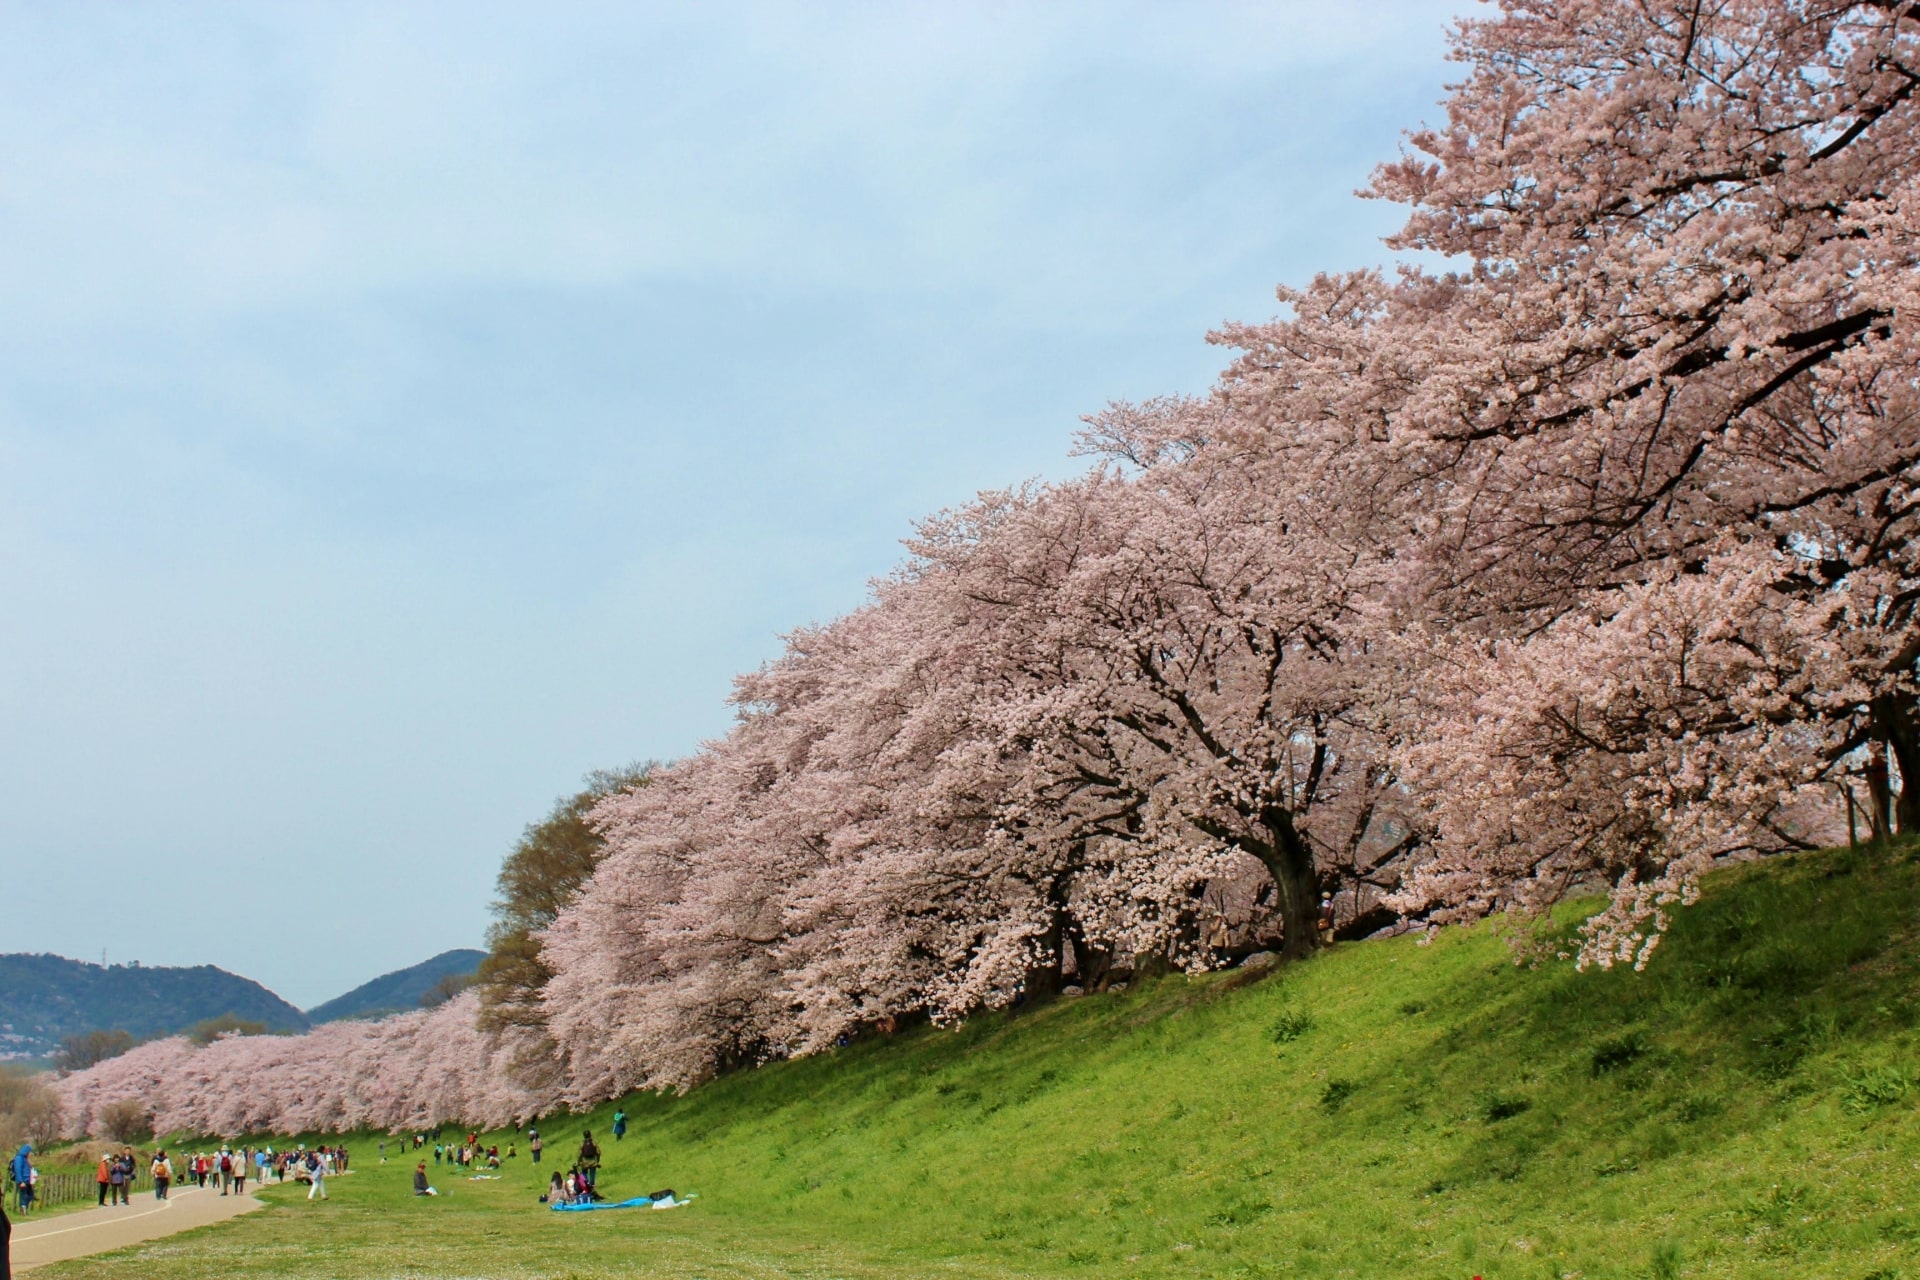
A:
x: 1745, y: 1108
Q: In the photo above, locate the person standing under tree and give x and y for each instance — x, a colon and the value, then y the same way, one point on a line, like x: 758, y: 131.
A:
x: 534, y: 1144
x: 619, y: 1125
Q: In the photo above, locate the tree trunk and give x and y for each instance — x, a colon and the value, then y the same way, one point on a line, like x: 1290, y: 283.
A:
x: 1296, y: 880
x: 1894, y: 716
x: 1091, y: 962
x: 1879, y: 797
x: 1048, y: 976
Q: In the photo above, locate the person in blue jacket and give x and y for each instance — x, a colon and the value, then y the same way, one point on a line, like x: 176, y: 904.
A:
x: 23, y: 1175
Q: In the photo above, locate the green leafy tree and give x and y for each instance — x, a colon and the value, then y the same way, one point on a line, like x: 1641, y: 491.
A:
x: 227, y: 1024
x: 553, y: 858
x: 126, y: 1121
x: 29, y: 1110
x: 78, y: 1052
x: 446, y: 989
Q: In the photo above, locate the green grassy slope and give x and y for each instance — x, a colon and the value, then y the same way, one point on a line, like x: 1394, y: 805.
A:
x: 1746, y: 1107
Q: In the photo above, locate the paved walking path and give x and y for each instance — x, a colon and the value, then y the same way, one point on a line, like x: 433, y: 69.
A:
x: 76, y: 1235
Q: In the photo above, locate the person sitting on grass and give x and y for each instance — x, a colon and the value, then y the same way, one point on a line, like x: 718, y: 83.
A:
x: 420, y: 1185
x: 556, y: 1190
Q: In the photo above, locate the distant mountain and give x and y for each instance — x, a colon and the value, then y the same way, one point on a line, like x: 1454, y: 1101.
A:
x: 45, y: 998
x: 399, y: 990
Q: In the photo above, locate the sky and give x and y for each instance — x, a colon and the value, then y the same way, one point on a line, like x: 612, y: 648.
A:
x: 406, y: 409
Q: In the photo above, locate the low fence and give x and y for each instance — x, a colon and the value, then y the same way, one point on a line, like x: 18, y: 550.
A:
x: 65, y: 1188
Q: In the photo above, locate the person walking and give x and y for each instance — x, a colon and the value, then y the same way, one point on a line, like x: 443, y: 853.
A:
x: 316, y: 1177
x: 534, y: 1144
x: 162, y: 1174
x: 6, y: 1242
x: 120, y: 1175
x: 103, y: 1176
x: 619, y: 1125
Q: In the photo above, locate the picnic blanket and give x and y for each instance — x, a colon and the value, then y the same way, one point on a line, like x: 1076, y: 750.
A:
x: 638, y: 1202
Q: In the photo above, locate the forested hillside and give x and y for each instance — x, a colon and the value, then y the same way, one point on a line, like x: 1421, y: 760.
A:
x: 400, y: 990
x: 45, y: 998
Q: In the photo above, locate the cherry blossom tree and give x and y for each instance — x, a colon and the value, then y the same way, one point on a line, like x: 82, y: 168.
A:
x: 1677, y: 360
x: 409, y: 1070
x: 1193, y: 679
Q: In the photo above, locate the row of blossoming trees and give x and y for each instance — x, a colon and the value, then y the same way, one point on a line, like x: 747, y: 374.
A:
x: 1589, y: 557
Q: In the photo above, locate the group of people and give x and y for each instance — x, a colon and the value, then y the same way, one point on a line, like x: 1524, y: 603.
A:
x: 578, y: 1184
x: 115, y: 1176
x: 469, y: 1153
x: 228, y: 1169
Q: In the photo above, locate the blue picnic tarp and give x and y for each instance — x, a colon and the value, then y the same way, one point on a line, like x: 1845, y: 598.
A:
x: 638, y: 1202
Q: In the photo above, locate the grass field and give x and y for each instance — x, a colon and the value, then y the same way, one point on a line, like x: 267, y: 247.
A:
x: 1746, y: 1107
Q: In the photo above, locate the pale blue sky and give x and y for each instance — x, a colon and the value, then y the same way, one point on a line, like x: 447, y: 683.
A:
x: 407, y: 408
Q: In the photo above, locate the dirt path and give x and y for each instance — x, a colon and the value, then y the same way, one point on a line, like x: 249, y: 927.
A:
x: 75, y: 1235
